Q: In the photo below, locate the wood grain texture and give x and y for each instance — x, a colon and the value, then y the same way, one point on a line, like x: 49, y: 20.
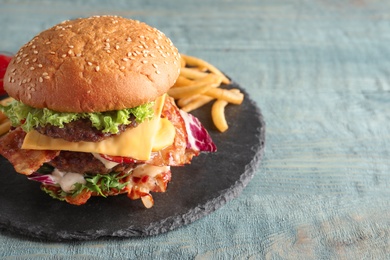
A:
x: 319, y: 70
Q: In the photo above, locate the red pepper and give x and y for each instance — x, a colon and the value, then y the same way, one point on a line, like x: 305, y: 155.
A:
x: 118, y: 159
x: 4, y: 61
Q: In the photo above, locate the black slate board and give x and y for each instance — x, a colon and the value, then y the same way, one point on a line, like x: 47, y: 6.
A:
x: 195, y: 190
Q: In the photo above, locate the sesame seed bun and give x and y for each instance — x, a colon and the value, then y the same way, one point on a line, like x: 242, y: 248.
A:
x: 94, y: 64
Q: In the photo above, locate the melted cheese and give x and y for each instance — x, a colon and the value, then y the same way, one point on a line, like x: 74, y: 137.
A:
x: 135, y: 142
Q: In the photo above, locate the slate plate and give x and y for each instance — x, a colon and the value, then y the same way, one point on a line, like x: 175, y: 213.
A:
x: 195, y: 190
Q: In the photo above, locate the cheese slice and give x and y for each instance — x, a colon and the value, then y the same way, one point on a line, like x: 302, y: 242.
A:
x: 135, y: 142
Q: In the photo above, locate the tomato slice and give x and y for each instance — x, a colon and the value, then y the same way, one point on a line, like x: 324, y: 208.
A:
x: 118, y: 159
x: 4, y: 61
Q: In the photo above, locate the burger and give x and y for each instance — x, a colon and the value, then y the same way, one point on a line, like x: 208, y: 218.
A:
x: 91, y: 116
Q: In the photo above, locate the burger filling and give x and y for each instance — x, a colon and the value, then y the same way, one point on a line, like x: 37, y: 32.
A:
x: 76, y: 176
x: 76, y: 127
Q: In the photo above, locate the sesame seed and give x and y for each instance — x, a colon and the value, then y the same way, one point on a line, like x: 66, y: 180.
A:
x: 166, y: 62
x: 71, y: 46
x: 158, y: 72
x: 122, y: 67
x: 33, y: 46
x: 35, y: 52
x: 128, y: 39
x: 70, y: 52
x: 40, y: 65
x: 26, y: 63
x: 47, y: 77
x: 97, y: 68
x: 144, y: 61
x: 78, y: 54
x: 63, y: 55
x: 155, y: 41
x: 107, y: 40
x: 34, y: 60
x: 40, y: 79
x: 155, y: 65
x: 32, y: 68
x: 24, y: 81
x: 52, y: 53
x: 45, y: 74
x: 24, y: 55
x: 128, y: 54
x: 125, y: 59
x: 117, y: 47
x: 89, y: 63
x: 13, y: 70
x: 48, y: 42
x: 12, y: 80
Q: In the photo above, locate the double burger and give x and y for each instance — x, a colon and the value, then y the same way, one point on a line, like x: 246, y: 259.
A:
x: 91, y: 116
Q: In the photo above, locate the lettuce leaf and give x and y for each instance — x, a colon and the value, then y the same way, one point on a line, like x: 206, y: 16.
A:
x: 108, y: 122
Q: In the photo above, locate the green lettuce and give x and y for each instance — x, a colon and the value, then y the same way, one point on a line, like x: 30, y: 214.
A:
x: 108, y: 122
x: 101, y: 184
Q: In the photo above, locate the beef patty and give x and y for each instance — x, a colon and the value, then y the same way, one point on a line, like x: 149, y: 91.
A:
x: 81, y: 130
x: 81, y: 162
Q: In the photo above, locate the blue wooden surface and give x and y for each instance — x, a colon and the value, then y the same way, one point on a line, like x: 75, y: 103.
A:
x: 319, y: 70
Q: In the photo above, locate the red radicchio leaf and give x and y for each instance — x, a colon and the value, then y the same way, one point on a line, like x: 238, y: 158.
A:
x: 198, y: 137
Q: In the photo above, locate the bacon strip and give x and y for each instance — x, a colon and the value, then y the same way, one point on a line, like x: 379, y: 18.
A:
x: 24, y: 161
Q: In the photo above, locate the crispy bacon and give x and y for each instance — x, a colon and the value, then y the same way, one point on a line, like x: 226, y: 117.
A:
x: 24, y: 161
x: 140, y: 187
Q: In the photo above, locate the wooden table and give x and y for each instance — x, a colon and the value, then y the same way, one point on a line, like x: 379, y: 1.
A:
x: 319, y: 71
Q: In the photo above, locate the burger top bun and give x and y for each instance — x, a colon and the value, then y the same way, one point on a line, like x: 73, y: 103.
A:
x: 94, y: 64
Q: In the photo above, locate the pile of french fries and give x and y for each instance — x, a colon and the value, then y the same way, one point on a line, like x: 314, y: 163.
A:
x: 5, y: 124
x: 198, y: 84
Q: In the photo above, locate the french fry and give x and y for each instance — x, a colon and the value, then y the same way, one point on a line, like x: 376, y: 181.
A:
x: 182, y: 81
x: 198, y: 84
x: 182, y: 92
x: 198, y: 87
x: 197, y: 102
x: 186, y: 100
x: 193, y: 61
x: 182, y: 62
x: 224, y: 94
x: 192, y: 73
x: 5, y: 126
x: 218, y: 115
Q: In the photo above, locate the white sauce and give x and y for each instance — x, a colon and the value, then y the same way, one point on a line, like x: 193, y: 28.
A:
x: 108, y: 164
x: 67, y: 180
